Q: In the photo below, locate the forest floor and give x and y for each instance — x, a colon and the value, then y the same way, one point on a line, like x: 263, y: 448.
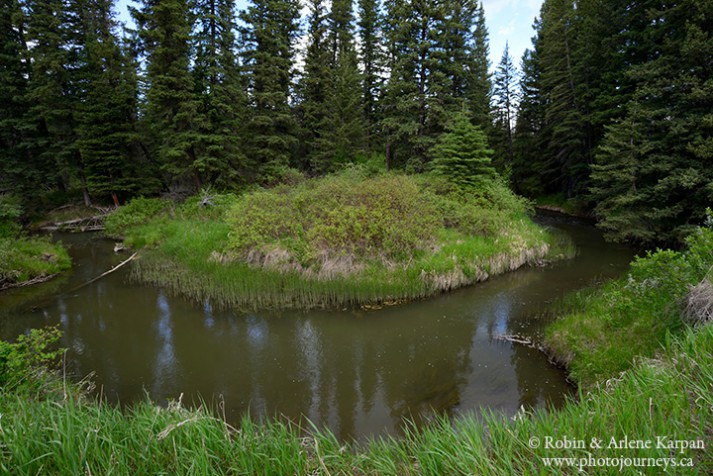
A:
x: 353, y: 238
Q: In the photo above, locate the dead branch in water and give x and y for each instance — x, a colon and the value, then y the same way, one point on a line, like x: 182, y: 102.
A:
x: 529, y: 343
x: 29, y: 282
x: 115, y: 268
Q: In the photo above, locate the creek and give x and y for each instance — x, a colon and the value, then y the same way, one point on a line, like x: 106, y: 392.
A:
x: 357, y: 372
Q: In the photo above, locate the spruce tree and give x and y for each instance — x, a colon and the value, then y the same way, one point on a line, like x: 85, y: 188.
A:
x: 105, y: 118
x: 403, y: 114
x: 667, y: 130
x: 17, y: 170
x: 270, y: 33
x: 222, y: 102
x: 312, y: 88
x: 171, y: 119
x: 528, y: 135
x: 504, y: 102
x: 478, y: 82
x: 344, y: 131
x: 415, y: 91
x: 462, y: 154
x: 371, y: 56
x: 52, y: 95
x: 565, y: 168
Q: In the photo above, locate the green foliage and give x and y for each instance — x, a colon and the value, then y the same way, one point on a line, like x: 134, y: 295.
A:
x: 106, y: 116
x: 138, y: 211
x: 651, y: 181
x: 10, y: 211
x: 670, y: 396
x: 24, y: 259
x: 386, y: 215
x: 171, y: 119
x: 505, y: 98
x: 269, y: 35
x: 347, y: 239
x: 219, y: 158
x: 438, y: 64
x: 32, y: 353
x: 604, y: 330
x: 462, y: 155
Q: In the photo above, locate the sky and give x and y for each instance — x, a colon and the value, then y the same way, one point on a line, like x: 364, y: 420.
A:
x: 510, y: 21
x: 507, y: 21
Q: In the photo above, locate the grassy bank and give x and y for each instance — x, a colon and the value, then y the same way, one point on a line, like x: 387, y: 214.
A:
x: 647, y: 340
x: 604, y: 330
x: 50, y: 428
x: 352, y: 238
x: 25, y: 260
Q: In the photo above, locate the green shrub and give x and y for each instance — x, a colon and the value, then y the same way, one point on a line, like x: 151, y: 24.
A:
x: 137, y: 212
x: 207, y: 205
x: 33, y: 352
x: 605, y: 329
x: 10, y: 211
x: 386, y: 215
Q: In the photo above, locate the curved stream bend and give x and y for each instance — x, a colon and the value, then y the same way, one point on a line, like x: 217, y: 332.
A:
x: 357, y: 372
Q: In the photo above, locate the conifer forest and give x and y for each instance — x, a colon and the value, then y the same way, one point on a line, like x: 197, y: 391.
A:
x: 612, y: 105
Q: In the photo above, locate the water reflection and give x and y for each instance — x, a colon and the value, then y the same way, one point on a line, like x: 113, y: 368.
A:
x: 360, y: 373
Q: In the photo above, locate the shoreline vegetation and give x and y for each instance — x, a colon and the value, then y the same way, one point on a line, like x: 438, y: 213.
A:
x: 25, y: 260
x: 651, y: 410
x: 358, y: 237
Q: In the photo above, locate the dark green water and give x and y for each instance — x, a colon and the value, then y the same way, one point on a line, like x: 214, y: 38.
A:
x: 357, y: 372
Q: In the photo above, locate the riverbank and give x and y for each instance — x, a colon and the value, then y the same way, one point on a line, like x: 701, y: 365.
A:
x: 603, y: 331
x: 349, y: 239
x: 30, y: 260
x: 656, y: 417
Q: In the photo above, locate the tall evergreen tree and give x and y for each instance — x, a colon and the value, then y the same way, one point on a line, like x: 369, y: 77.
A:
x: 52, y: 94
x: 17, y: 169
x: 106, y: 116
x: 528, y: 135
x: 403, y: 114
x: 479, y: 82
x: 371, y: 56
x: 504, y: 102
x: 344, y: 132
x: 566, y: 168
x: 222, y: 102
x: 270, y: 33
x: 171, y: 119
x: 653, y: 173
x: 313, y: 86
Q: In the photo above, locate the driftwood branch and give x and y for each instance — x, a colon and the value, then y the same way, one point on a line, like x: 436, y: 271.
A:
x: 115, y: 268
x: 21, y: 284
x: 529, y: 343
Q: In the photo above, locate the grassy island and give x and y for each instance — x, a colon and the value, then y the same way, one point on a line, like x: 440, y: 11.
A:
x: 357, y: 237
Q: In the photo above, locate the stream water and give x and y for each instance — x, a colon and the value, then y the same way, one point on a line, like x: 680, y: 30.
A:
x: 360, y: 373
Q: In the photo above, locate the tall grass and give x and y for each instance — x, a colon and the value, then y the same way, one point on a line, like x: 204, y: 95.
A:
x: 670, y: 397
x: 603, y: 330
